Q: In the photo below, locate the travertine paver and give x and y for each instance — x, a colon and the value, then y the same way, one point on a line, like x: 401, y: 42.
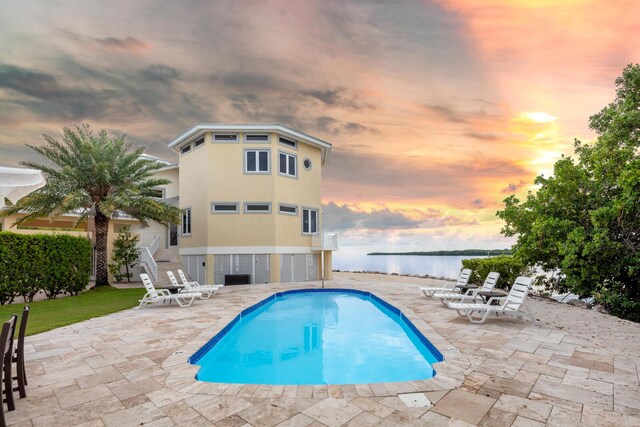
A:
x: 130, y: 369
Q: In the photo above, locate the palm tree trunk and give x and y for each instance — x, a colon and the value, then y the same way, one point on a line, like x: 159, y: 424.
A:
x: 102, y: 232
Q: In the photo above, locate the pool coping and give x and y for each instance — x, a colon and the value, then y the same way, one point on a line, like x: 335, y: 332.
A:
x: 450, y: 372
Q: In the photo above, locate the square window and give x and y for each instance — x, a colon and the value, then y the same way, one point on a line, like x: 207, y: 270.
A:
x: 309, y: 221
x: 287, y: 164
x: 256, y: 161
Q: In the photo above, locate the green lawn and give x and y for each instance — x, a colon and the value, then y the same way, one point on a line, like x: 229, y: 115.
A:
x: 51, y: 314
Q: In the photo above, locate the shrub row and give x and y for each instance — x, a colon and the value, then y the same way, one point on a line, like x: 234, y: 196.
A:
x: 53, y: 263
x: 508, y: 267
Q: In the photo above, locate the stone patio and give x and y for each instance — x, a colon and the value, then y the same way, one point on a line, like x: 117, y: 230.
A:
x: 130, y: 369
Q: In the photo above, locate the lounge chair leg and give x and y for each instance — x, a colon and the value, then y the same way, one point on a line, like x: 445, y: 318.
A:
x: 530, y: 314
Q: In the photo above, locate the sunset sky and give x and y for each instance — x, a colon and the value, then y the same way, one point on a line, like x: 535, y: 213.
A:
x: 437, y: 110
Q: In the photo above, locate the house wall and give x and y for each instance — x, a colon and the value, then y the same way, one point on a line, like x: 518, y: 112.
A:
x: 215, y: 172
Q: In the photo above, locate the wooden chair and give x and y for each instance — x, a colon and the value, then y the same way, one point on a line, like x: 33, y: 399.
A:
x: 18, y: 356
x: 6, y: 343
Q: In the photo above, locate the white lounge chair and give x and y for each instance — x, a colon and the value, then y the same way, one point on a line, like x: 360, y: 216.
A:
x: 463, y: 279
x: 197, y: 286
x: 154, y: 295
x: 511, y: 304
x: 472, y: 294
x: 188, y: 287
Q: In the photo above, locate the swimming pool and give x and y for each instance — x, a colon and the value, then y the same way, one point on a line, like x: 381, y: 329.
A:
x: 317, y: 336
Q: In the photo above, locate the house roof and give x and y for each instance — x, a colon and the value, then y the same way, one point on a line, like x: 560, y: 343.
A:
x: 167, y: 164
x: 199, y: 130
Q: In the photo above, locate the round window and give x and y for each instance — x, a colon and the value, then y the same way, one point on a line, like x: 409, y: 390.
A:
x: 307, y: 164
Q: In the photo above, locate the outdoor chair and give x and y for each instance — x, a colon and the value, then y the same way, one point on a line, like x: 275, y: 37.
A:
x: 18, y: 355
x: 153, y: 295
x: 463, y: 279
x: 6, y: 341
x: 509, y: 305
x: 471, y: 295
x: 188, y: 287
x: 197, y: 286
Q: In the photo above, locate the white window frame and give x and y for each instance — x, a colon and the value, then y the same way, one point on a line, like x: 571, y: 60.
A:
x: 287, y: 205
x: 247, y: 211
x: 225, y: 141
x: 288, y: 142
x: 186, y: 222
x: 305, y: 212
x: 257, y: 151
x: 202, y: 142
x: 266, y: 141
x: 186, y: 149
x: 214, y: 211
x: 287, y: 174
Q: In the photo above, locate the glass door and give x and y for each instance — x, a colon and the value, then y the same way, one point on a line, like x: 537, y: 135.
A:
x: 173, y: 235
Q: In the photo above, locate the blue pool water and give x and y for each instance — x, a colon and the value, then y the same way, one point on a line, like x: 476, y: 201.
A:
x: 319, y: 336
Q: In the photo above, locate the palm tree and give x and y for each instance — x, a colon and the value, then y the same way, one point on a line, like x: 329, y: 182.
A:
x: 98, y: 176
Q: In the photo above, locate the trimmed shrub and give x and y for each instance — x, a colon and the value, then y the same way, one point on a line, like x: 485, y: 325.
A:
x: 508, y: 267
x: 53, y: 263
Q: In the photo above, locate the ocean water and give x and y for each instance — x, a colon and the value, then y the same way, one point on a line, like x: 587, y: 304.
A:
x: 330, y: 337
x: 356, y: 259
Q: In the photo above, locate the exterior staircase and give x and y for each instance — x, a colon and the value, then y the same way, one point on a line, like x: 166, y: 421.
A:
x: 167, y: 260
x: 156, y: 262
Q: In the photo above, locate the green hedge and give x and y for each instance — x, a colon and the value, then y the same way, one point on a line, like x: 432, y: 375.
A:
x: 508, y: 267
x: 53, y: 263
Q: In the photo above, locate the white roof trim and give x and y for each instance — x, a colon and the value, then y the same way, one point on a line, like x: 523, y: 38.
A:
x: 201, y: 128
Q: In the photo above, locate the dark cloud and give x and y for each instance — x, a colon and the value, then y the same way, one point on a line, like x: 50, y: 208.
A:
x: 160, y: 73
x: 126, y: 43
x: 44, y: 95
x: 478, y: 203
x: 336, y: 217
x: 399, y: 177
x: 481, y: 136
x: 336, y: 98
x: 447, y: 113
x: 512, y: 188
x: 342, y: 217
x: 334, y: 126
x: 115, y: 96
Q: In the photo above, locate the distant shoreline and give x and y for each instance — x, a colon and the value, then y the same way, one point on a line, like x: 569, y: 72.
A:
x: 464, y: 252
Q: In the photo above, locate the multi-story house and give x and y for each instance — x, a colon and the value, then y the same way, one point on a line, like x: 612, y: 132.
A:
x: 251, y: 204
